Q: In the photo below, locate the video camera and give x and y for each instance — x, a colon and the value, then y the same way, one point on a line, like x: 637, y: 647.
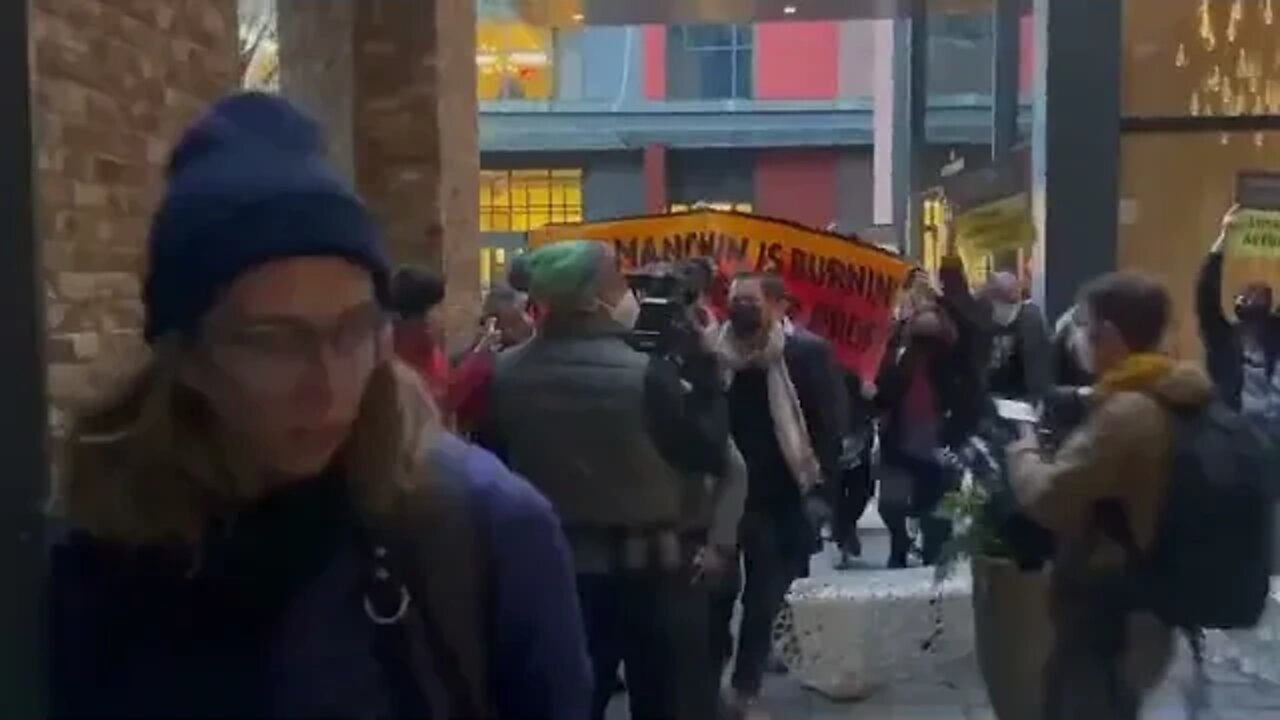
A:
x: 666, y: 293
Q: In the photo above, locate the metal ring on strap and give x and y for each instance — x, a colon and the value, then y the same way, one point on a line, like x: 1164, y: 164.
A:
x: 388, y: 620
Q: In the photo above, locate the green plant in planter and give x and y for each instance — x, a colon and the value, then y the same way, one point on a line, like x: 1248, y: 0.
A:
x: 976, y: 529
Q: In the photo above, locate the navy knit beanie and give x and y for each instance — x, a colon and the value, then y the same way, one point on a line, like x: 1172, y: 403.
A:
x: 249, y: 183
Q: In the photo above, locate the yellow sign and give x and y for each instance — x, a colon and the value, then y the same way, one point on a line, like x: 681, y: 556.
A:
x: 1252, y: 254
x: 1004, y: 224
x: 846, y: 289
x: 1256, y: 233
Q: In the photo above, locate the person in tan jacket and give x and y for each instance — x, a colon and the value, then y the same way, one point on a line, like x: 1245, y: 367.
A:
x: 1111, y: 472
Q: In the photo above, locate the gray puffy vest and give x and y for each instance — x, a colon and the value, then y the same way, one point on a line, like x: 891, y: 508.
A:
x: 571, y: 412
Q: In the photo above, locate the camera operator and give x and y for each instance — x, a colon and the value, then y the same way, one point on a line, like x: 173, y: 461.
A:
x: 699, y: 274
x: 619, y: 441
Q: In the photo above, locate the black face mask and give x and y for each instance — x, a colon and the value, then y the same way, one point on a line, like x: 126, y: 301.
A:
x: 745, y: 320
x: 1251, y: 313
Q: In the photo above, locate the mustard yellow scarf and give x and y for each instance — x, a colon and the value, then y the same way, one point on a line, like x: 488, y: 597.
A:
x: 1136, y: 372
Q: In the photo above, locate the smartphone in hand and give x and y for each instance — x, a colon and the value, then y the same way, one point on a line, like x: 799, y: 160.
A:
x: 1017, y: 411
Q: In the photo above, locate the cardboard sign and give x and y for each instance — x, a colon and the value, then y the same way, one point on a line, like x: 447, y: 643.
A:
x: 1252, y: 246
x: 991, y: 214
x: 996, y: 226
x: 846, y: 289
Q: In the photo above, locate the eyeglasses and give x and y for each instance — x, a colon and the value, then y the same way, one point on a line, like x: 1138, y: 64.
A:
x: 273, y: 355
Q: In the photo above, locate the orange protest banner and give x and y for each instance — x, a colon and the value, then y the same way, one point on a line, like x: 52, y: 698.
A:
x: 846, y: 289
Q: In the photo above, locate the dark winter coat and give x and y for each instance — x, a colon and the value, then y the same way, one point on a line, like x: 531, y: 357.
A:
x: 266, y: 616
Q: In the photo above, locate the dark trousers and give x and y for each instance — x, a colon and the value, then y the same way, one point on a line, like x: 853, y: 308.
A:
x: 853, y: 493
x: 1082, y: 677
x: 653, y: 624
x: 929, y: 483
x: 769, y: 565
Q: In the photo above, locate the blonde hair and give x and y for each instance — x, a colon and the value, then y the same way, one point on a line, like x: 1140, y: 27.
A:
x: 145, y: 464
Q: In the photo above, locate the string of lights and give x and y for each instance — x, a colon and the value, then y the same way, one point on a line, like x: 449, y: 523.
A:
x: 1232, y: 64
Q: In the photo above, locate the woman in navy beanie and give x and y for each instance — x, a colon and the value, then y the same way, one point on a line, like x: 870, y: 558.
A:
x: 265, y: 518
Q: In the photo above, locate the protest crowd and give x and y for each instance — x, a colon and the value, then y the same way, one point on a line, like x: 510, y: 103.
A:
x: 303, y: 502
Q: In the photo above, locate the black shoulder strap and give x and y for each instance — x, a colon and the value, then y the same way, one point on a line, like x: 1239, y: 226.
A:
x: 441, y: 558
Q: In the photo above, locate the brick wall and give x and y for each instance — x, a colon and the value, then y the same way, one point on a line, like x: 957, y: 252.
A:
x: 394, y: 83
x: 417, y: 148
x: 316, y: 70
x: 115, y: 83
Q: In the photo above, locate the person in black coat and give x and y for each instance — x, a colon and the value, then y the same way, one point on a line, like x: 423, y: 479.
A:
x: 1241, y: 355
x: 789, y: 417
x: 1021, y: 360
x: 932, y: 393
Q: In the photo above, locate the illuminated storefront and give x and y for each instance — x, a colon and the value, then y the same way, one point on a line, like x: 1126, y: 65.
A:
x: 514, y: 61
x: 1201, y: 103
x: 512, y: 202
x: 523, y: 200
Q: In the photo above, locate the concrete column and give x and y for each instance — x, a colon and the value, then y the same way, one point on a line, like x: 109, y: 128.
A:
x: 394, y: 81
x: 900, y: 142
x: 884, y: 112
x: 1006, y: 62
x: 913, y: 83
x: 857, y: 76
x: 316, y: 68
x: 1075, y: 153
x: 23, y: 426
x: 901, y: 67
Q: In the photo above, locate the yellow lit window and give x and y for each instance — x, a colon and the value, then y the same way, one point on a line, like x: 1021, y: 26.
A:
x: 494, y: 264
x: 486, y: 267
x: 520, y: 200
x: 514, y: 61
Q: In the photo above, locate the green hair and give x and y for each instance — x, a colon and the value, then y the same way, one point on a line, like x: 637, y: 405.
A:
x: 565, y: 274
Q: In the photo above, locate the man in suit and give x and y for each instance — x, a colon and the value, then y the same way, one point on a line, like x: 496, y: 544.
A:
x: 787, y: 410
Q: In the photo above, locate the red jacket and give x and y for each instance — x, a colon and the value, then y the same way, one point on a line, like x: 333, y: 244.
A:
x: 415, y: 346
x: 468, y: 396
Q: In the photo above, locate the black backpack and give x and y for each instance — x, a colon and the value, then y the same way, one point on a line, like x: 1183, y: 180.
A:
x: 429, y: 592
x: 1211, y: 562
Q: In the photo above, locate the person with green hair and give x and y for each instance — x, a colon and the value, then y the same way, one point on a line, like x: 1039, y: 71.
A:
x: 566, y: 277
x: 621, y: 442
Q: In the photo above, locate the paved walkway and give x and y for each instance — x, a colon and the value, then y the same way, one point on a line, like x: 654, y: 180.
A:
x: 959, y: 693
x: 960, y: 696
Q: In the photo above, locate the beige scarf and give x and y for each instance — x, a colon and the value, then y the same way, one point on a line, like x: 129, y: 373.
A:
x: 784, y: 404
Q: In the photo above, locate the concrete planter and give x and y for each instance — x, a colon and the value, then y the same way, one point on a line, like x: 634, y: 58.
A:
x: 1013, y: 636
